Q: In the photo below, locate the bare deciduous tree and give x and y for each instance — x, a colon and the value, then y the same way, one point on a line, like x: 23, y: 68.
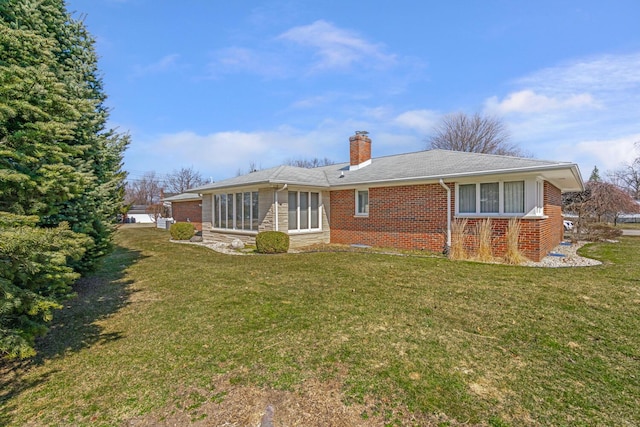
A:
x: 474, y: 134
x: 143, y: 191
x: 600, y: 202
x: 628, y: 177
x: 183, y: 179
x: 309, y: 163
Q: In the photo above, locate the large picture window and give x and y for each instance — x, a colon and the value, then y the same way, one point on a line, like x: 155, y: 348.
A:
x: 304, y: 211
x: 492, y: 198
x: 236, y: 211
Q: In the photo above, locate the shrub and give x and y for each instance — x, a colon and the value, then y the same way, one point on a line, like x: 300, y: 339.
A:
x: 599, y: 231
x: 272, y: 242
x: 182, y: 231
x: 483, y: 237
x: 35, y: 277
x: 458, y: 239
x: 512, y: 254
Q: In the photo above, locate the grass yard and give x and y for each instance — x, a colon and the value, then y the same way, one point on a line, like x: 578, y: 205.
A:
x: 174, y: 334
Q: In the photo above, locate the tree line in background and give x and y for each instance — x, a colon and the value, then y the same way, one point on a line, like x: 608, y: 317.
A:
x: 61, y: 178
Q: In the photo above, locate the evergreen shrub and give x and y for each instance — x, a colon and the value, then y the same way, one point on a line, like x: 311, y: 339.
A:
x: 182, y: 231
x: 272, y: 242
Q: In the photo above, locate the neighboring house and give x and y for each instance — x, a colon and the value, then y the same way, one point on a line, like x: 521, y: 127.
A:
x: 139, y: 214
x: 404, y: 201
x: 186, y: 207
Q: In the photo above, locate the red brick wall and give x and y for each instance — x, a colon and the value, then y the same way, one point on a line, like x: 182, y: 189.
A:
x: 529, y: 243
x: 551, y: 228
x: 405, y: 217
x: 188, y: 211
x: 415, y: 217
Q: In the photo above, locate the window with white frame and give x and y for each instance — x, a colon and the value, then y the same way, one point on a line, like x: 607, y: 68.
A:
x: 304, y: 212
x: 362, y: 202
x: 487, y: 198
x: 236, y: 211
x: 540, y: 197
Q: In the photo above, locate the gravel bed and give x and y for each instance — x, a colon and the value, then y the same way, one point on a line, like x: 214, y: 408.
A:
x: 565, y: 255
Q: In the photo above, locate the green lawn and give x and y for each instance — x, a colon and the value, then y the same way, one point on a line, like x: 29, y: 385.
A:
x: 629, y: 225
x: 167, y: 329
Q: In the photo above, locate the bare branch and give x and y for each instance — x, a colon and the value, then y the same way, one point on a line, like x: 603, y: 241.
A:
x: 181, y: 180
x: 474, y: 134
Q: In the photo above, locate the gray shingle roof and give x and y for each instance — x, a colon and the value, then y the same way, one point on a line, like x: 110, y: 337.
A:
x: 182, y: 197
x: 419, y: 166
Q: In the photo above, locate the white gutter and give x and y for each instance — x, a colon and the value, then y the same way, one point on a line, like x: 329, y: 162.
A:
x: 448, y: 213
x: 284, y: 187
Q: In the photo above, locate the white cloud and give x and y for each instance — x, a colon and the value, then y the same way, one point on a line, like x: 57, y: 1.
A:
x: 420, y: 120
x: 239, y: 59
x: 165, y: 63
x: 337, y: 48
x: 528, y: 101
x: 585, y: 111
x: 220, y: 155
x: 609, y: 153
x: 602, y: 73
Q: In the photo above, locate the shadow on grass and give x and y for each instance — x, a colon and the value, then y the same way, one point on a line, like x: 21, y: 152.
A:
x: 73, y: 328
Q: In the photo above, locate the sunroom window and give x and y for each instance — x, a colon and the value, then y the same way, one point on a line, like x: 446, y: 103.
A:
x: 304, y: 211
x: 236, y: 211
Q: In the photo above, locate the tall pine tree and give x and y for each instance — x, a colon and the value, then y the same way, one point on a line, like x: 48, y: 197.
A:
x: 59, y: 163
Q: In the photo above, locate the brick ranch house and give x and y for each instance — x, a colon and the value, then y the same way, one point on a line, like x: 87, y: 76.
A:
x: 186, y: 207
x: 405, y: 201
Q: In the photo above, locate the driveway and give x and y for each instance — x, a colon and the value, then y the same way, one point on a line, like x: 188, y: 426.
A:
x: 631, y: 232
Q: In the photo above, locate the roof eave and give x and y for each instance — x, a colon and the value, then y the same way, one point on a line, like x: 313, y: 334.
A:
x: 532, y: 169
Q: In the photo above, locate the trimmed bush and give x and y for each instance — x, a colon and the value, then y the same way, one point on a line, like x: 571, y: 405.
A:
x: 182, y: 231
x: 272, y: 242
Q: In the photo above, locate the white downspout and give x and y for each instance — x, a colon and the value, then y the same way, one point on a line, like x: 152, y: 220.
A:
x: 277, y: 219
x: 448, y: 213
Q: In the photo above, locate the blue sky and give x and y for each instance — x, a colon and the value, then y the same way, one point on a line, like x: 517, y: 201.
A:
x: 219, y: 85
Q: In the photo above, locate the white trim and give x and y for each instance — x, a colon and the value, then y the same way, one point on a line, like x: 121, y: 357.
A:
x: 215, y: 211
x: 360, y: 165
x: 309, y: 214
x: 532, y: 209
x: 356, y: 213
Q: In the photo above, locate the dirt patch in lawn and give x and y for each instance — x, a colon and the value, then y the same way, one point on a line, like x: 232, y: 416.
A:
x: 313, y: 403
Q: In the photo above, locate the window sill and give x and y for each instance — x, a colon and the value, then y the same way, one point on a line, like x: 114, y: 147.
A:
x: 498, y: 215
x: 361, y: 216
x: 234, y: 231
x: 312, y: 231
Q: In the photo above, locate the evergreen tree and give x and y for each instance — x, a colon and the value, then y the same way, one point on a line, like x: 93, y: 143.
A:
x: 58, y: 163
x: 595, y: 175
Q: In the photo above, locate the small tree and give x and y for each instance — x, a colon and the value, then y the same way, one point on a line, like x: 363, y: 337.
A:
x: 599, y: 202
x: 157, y: 210
x: 608, y: 201
x: 474, y: 134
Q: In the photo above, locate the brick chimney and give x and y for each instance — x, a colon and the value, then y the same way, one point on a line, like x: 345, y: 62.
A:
x: 359, y: 150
